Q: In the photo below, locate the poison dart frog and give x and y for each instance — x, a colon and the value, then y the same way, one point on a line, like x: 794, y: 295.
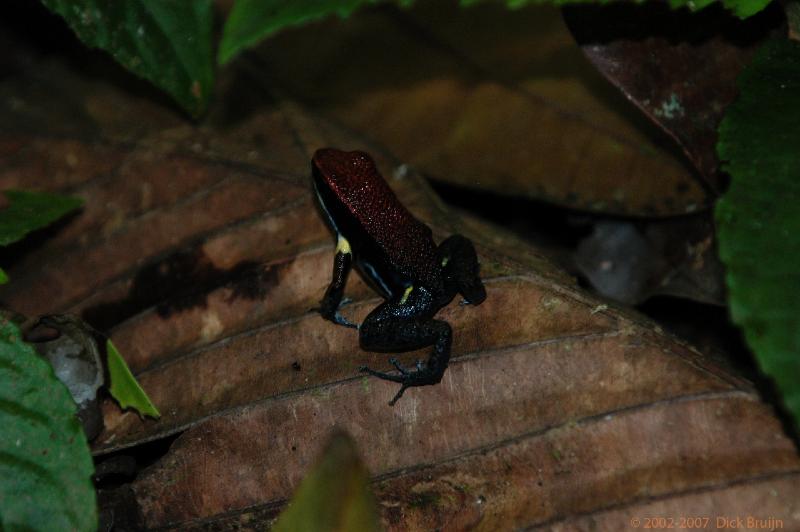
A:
x: 396, y: 253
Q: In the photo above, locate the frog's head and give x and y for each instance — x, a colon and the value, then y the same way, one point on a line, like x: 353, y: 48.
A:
x: 342, y: 171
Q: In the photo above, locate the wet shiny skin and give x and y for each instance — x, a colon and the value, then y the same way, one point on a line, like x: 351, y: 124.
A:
x: 396, y: 252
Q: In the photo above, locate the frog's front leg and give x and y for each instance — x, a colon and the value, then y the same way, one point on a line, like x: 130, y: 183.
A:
x: 342, y: 264
x: 395, y: 326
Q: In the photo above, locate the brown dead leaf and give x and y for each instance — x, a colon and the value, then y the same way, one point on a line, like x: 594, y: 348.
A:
x: 678, y: 67
x: 484, y: 98
x: 557, y: 410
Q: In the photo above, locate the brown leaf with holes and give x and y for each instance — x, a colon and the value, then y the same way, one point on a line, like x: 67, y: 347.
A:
x: 201, y: 252
x: 485, y: 98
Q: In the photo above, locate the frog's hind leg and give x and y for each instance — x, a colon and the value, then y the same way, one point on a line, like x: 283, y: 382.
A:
x: 387, y: 329
x: 461, y: 269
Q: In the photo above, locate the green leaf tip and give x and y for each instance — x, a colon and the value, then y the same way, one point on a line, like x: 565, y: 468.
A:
x: 124, y: 387
x: 29, y: 211
x: 334, y: 496
x: 45, y: 464
x: 3, y: 277
x: 758, y: 217
x: 250, y: 21
x: 166, y: 43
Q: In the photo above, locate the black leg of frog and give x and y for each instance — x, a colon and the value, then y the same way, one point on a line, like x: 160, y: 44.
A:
x: 406, y: 325
x: 461, y: 270
x: 342, y: 263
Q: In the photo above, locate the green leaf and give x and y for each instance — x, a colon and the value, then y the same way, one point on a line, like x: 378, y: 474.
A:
x: 742, y: 8
x: 252, y: 20
x: 29, y: 211
x: 124, y: 387
x: 3, y: 277
x: 45, y: 464
x: 334, y: 496
x: 759, y: 217
x: 166, y: 42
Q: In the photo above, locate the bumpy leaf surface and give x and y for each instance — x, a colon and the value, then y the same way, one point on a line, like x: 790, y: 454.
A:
x: 759, y: 218
x: 45, y: 465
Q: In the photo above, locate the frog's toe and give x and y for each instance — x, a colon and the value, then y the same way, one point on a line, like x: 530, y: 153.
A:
x: 396, y: 363
x: 382, y: 375
x: 474, y: 292
x: 422, y: 377
x: 341, y: 320
x: 399, y: 394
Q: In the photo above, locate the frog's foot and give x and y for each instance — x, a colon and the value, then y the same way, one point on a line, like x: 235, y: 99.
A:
x: 461, y: 268
x: 385, y: 376
x: 422, y: 376
x: 338, y: 319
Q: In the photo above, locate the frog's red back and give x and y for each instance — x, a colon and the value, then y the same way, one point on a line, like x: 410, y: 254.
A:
x: 355, y: 182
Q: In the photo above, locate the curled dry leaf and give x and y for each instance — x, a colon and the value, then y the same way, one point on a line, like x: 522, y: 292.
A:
x: 557, y: 408
x: 678, y: 67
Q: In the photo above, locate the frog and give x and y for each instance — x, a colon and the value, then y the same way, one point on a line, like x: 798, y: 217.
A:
x: 397, y: 256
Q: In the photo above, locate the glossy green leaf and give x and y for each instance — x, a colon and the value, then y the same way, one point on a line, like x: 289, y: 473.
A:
x: 29, y: 211
x: 334, y: 496
x: 124, y: 386
x: 45, y: 464
x: 742, y: 8
x: 759, y: 217
x: 3, y: 277
x: 252, y: 20
x: 166, y: 42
